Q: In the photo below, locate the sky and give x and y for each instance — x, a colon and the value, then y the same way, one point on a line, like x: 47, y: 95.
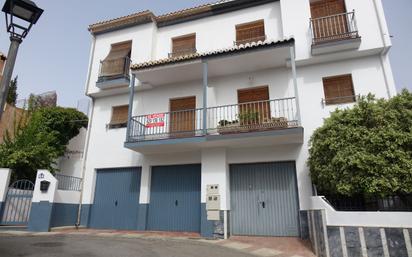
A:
x: 55, y: 54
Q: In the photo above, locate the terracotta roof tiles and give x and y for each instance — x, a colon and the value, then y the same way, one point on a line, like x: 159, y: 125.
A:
x: 194, y: 56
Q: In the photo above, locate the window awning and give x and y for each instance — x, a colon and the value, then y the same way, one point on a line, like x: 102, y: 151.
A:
x: 115, y: 63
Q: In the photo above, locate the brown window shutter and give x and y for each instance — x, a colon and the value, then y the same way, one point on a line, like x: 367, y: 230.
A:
x: 115, y: 63
x: 254, y: 101
x: 183, y: 116
x: 339, y: 89
x: 184, y: 45
x: 253, y: 94
x: 325, y: 8
x: 119, y: 115
x: 250, y: 32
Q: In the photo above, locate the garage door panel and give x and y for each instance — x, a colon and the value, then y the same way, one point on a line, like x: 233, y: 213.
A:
x: 264, y: 199
x: 116, y: 200
x: 175, y: 198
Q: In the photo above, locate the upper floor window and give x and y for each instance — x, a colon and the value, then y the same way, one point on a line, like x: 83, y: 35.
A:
x: 183, y: 45
x: 250, y: 32
x: 117, y: 62
x: 119, y: 116
x: 330, y: 21
x: 339, y: 89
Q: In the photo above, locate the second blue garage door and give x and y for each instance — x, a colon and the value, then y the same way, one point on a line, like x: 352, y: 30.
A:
x: 175, y: 198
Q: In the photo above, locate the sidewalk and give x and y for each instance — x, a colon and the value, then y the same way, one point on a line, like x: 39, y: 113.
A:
x: 257, y: 246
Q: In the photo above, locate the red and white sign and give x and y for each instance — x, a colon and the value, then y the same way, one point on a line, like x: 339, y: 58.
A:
x: 155, y: 120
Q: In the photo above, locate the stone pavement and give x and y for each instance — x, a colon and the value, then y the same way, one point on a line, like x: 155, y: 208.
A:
x: 257, y: 246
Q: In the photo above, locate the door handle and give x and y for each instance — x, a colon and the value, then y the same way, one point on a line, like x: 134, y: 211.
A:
x: 263, y: 205
x: 115, y: 203
x: 176, y: 203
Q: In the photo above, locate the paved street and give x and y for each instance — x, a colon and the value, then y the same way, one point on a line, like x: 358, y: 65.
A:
x: 90, y: 246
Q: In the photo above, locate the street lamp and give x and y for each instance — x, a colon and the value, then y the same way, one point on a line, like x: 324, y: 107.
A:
x: 21, y: 15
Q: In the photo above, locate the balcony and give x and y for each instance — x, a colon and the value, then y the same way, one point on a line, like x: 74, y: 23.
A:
x: 114, y: 73
x: 334, y: 33
x: 248, y: 124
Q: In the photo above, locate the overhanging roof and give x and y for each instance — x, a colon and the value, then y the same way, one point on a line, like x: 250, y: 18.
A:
x: 211, y: 54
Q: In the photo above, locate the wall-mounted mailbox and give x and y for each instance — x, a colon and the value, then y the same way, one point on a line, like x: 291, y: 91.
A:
x: 212, y: 189
x: 213, y: 202
x: 44, y: 186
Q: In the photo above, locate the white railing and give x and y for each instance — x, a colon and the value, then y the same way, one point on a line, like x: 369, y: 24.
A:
x: 334, y: 27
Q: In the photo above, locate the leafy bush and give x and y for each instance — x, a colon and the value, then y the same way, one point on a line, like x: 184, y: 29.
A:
x: 366, y: 150
x: 39, y: 139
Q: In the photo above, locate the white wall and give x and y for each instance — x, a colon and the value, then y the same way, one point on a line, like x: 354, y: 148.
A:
x: 5, y: 175
x: 362, y: 219
x: 219, y: 31
x: 296, y: 16
x: 215, y: 171
x: 106, y: 146
x: 49, y: 196
x: 71, y: 163
x: 142, y: 41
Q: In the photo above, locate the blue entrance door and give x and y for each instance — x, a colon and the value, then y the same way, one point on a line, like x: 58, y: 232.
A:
x: 116, y: 199
x: 175, y: 199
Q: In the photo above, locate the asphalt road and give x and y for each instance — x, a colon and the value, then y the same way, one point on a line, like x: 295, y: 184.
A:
x: 90, y: 246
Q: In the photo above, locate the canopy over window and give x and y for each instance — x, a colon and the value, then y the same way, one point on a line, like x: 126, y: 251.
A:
x: 117, y: 62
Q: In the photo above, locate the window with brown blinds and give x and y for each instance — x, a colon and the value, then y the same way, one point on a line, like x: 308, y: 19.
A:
x: 339, y: 89
x: 250, y: 32
x: 119, y: 116
x: 254, y: 105
x: 118, y: 60
x: 183, y: 45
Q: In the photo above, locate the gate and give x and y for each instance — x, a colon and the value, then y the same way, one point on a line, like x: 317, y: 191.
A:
x: 17, y: 207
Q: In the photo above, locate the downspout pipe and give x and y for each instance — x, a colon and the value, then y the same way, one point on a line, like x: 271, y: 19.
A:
x: 89, y: 129
x: 385, y: 41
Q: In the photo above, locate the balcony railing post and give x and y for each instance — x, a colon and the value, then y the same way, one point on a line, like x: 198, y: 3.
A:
x: 295, y: 83
x: 205, y: 82
x: 130, y: 111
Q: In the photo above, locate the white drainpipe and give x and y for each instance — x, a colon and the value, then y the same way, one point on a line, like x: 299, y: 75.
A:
x: 89, y: 129
x: 385, y: 40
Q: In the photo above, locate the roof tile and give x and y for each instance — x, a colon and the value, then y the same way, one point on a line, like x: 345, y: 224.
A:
x: 194, y: 56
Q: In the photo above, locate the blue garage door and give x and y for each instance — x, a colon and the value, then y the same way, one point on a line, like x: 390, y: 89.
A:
x: 116, y: 199
x: 264, y: 199
x: 175, y: 199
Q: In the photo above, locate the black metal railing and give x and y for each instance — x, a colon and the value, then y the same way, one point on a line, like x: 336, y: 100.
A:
x: 68, y: 183
x: 114, y: 69
x: 182, y: 52
x: 256, y: 116
x: 334, y: 28
x: 362, y: 203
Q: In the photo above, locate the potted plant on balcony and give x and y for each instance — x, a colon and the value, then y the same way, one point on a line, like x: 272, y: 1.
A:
x: 251, y: 122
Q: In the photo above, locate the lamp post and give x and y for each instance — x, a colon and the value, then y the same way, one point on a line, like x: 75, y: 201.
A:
x: 21, y: 15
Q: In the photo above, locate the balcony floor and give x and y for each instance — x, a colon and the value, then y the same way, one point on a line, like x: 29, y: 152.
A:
x: 292, y: 135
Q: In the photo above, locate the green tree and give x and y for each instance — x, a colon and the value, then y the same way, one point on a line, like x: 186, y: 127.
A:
x: 12, y: 95
x: 365, y: 150
x: 39, y: 139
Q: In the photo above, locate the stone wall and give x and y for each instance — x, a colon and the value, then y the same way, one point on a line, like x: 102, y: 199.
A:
x: 355, y: 241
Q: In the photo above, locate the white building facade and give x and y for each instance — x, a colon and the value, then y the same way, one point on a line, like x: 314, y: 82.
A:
x: 208, y: 131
